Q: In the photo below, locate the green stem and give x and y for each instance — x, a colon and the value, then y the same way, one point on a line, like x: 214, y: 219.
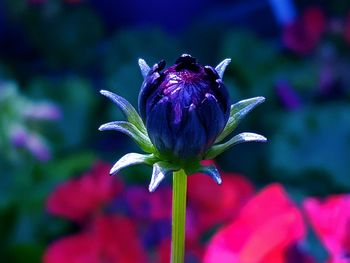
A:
x: 179, y: 217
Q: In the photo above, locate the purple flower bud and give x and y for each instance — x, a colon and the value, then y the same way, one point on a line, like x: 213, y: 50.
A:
x: 184, y: 107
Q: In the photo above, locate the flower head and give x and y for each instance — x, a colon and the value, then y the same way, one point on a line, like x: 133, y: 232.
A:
x: 185, y: 114
x: 185, y: 108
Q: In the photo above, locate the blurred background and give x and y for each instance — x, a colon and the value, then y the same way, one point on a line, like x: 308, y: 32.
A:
x: 55, y: 55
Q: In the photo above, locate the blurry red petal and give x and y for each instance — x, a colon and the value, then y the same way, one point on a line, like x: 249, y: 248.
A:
x: 331, y: 221
x: 211, y: 204
x: 109, y: 239
x: 314, y: 21
x: 264, y: 229
x: 73, y: 249
x: 80, y: 197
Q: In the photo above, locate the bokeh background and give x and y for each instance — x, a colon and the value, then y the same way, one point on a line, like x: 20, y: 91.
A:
x: 57, y: 203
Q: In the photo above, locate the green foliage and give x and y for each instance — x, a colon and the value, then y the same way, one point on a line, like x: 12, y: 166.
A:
x: 313, y: 146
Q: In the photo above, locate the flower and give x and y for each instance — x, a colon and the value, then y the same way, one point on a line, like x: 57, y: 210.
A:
x: 108, y: 239
x: 185, y: 115
x: 42, y: 111
x: 20, y: 137
x: 211, y: 205
x: 185, y: 108
x: 17, y: 116
x: 330, y: 219
x: 264, y: 231
x: 79, y: 198
x: 303, y: 35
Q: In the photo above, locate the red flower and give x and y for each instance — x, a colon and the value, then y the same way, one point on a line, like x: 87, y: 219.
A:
x: 163, y: 251
x: 331, y: 221
x: 303, y: 35
x: 109, y: 239
x: 347, y: 28
x: 210, y: 204
x: 81, y: 197
x: 264, y: 230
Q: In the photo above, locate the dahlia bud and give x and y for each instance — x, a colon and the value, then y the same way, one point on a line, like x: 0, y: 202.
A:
x: 185, y: 114
x: 185, y: 108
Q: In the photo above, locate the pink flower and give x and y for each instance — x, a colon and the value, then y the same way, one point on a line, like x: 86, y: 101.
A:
x: 81, y: 197
x: 330, y: 220
x: 110, y: 239
x: 303, y: 35
x: 266, y: 227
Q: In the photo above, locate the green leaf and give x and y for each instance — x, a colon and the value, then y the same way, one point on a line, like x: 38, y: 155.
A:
x: 127, y: 109
x: 144, y: 67
x: 220, y: 69
x: 132, y: 159
x: 160, y: 170
x: 240, y: 138
x: 130, y: 129
x: 211, y: 171
x: 238, y: 112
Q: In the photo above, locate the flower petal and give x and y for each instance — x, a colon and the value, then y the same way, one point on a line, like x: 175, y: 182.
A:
x: 158, y: 126
x: 211, y: 117
x: 191, y: 139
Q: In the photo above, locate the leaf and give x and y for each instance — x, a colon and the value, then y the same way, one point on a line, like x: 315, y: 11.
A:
x: 143, y: 67
x: 127, y: 109
x: 238, y: 112
x: 240, y: 138
x: 129, y: 129
x: 221, y: 67
x: 160, y: 170
x: 132, y: 159
x: 212, y: 171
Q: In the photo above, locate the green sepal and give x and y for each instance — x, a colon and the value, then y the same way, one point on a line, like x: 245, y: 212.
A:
x: 212, y: 171
x: 145, y: 69
x: 131, y: 130
x: 220, y: 69
x: 240, y: 138
x: 238, y: 111
x: 128, y: 110
x: 132, y: 159
x: 160, y: 170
